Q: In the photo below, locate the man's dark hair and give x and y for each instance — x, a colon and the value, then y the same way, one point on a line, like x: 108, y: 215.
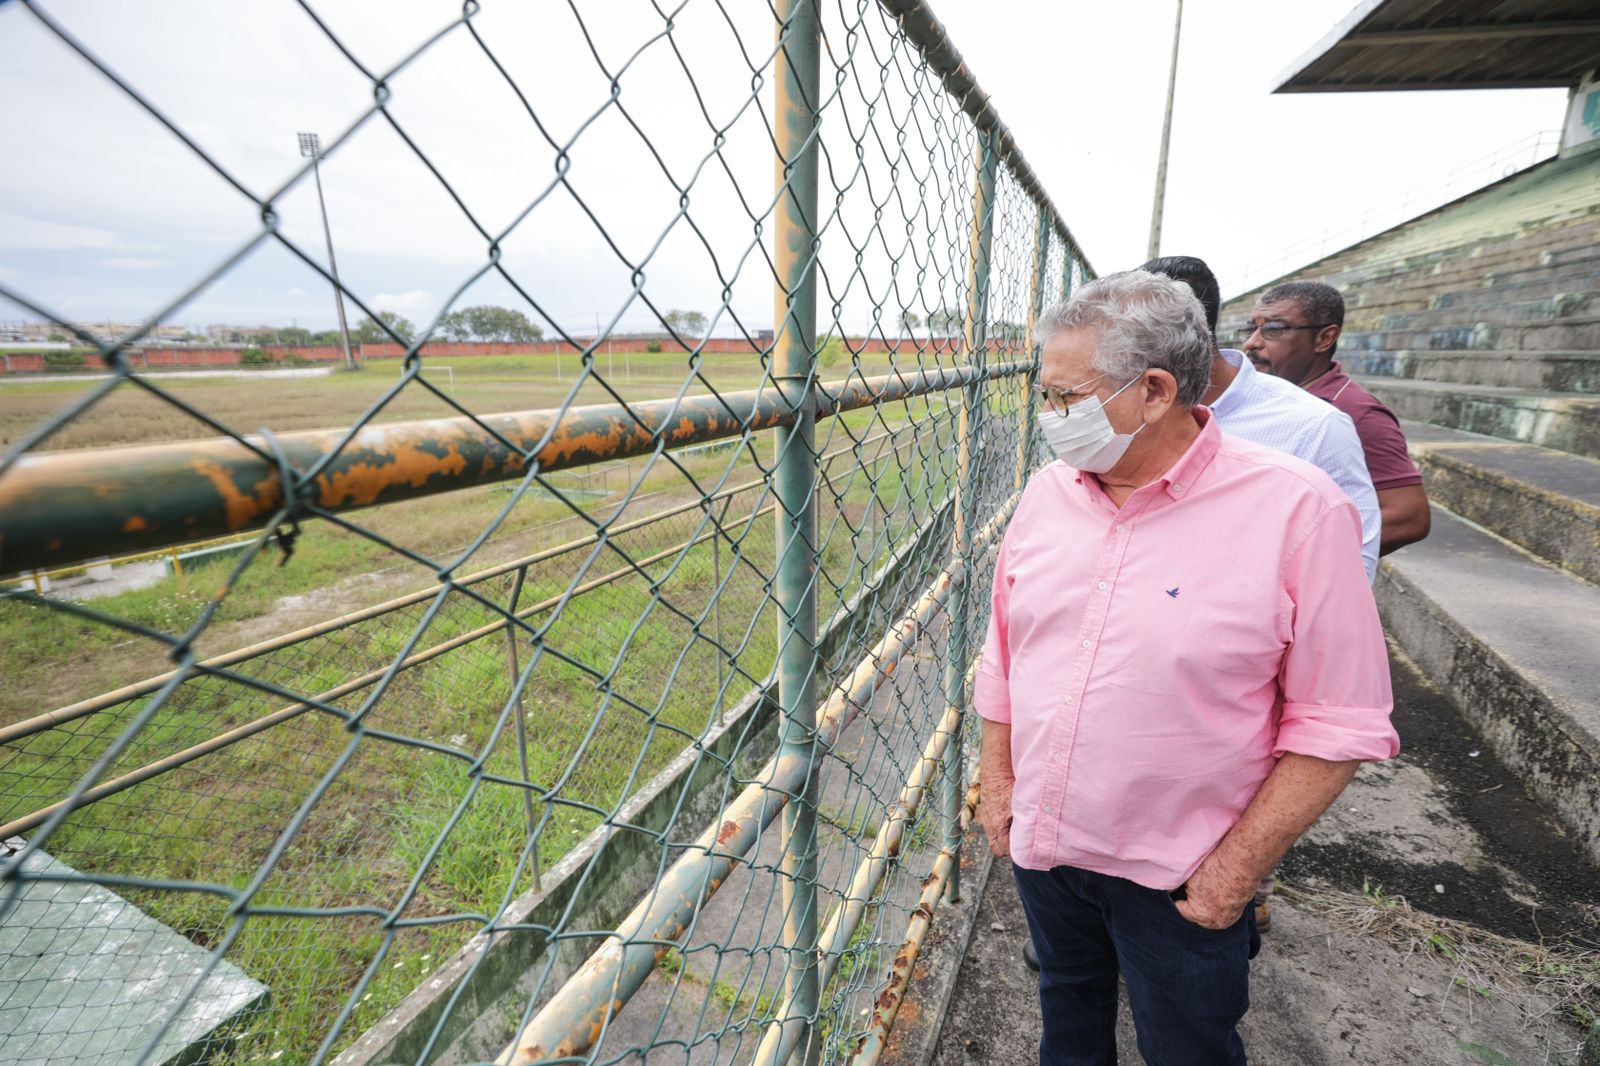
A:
x: 1195, y: 274
x: 1319, y: 302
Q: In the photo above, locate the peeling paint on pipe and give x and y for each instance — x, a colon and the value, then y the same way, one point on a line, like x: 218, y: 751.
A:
x: 58, y: 508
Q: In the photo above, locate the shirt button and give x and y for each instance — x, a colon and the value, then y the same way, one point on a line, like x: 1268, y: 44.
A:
x: 1072, y: 699
x: 1056, y: 757
x: 1101, y: 585
x: 1087, y: 643
x: 1120, y: 527
x: 1047, y: 810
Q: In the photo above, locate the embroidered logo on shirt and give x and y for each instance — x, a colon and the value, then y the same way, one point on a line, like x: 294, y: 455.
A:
x: 1173, y: 593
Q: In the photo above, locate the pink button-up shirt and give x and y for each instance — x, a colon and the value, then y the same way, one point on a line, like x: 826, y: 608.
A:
x: 1154, y: 660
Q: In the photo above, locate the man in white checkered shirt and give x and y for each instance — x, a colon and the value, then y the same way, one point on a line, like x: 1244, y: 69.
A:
x: 1258, y: 407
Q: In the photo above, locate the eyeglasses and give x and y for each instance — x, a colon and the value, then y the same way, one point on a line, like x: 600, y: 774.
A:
x: 1060, y: 400
x: 1272, y: 330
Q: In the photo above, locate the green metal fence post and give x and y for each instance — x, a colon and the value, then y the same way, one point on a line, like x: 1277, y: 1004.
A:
x: 967, y: 462
x: 1030, y: 406
x: 797, y: 118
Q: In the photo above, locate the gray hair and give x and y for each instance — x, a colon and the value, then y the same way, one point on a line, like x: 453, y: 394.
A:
x: 1142, y: 321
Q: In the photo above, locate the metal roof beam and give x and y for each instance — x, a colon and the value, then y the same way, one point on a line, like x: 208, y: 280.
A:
x: 1451, y: 34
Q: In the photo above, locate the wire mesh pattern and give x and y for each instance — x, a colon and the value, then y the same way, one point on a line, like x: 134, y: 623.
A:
x: 397, y: 829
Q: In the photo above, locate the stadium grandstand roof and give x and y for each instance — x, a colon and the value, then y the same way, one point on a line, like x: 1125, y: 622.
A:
x: 1387, y: 45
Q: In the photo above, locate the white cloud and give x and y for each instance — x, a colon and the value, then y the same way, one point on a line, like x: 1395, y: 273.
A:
x: 132, y: 263
x: 20, y: 231
x: 416, y: 300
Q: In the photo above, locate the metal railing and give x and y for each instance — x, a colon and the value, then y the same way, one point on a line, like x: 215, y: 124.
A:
x: 690, y: 777
x: 1495, y: 166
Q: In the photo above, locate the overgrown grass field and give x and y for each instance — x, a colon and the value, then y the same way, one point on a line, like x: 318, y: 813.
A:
x: 626, y: 675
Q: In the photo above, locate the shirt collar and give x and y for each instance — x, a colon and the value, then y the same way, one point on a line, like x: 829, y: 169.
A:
x: 1329, y: 382
x: 1233, y: 395
x: 1182, y: 475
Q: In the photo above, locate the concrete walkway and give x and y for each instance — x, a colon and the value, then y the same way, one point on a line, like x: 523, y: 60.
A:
x: 1442, y: 815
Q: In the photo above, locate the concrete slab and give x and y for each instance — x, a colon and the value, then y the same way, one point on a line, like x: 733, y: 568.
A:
x: 1445, y: 811
x: 88, y: 978
x: 1513, y: 642
x: 1546, y: 502
x: 1569, y: 422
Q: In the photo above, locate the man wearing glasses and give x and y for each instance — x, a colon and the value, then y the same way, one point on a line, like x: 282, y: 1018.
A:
x: 1293, y: 333
x: 1266, y: 410
x: 1183, y: 669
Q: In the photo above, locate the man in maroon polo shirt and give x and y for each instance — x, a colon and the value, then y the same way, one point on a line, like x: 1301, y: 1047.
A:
x: 1292, y: 334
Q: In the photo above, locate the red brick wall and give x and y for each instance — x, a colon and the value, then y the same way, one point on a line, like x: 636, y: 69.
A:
x: 33, y: 362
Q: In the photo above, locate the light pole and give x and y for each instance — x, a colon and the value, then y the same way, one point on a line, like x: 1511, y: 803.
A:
x: 1166, y: 140
x: 311, y: 148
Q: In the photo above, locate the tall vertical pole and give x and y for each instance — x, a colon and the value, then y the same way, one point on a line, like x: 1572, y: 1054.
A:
x: 1030, y: 406
x: 1166, y: 140
x: 797, y: 119
x: 333, y: 266
x: 969, y: 435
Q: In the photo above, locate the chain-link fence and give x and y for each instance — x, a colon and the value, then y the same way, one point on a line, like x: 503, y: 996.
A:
x: 663, y: 764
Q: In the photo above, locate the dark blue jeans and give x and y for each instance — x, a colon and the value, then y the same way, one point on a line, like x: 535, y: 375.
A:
x: 1188, y: 986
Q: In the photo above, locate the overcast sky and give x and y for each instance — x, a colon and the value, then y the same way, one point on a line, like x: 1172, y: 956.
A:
x: 104, y: 214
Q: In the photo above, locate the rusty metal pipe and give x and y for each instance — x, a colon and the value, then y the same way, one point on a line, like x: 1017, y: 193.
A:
x: 58, y: 508
x: 573, y: 1019
x: 871, y: 1045
x: 783, y: 1035
x: 61, y: 715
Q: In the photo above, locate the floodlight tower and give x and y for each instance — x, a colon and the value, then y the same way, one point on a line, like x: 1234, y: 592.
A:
x: 1166, y: 142
x: 311, y: 148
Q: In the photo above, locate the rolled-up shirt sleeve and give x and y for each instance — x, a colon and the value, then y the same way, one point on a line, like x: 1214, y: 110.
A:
x: 1335, y: 675
x: 991, y: 688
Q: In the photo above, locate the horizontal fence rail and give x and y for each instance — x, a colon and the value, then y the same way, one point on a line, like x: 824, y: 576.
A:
x: 583, y: 711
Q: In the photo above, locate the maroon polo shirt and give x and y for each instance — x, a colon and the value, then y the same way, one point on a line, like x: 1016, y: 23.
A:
x: 1388, y: 461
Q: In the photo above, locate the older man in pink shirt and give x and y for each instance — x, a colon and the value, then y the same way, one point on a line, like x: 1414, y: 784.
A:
x: 1184, y: 667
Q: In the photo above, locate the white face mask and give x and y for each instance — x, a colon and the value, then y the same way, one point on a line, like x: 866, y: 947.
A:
x: 1084, y: 437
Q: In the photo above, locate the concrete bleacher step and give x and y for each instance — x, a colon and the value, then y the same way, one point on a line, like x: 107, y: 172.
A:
x: 1561, y: 371
x: 1508, y: 335
x: 1471, y: 257
x: 1493, y: 309
x: 1545, y: 502
x: 1568, y: 422
x: 1512, y: 640
x: 1369, y: 300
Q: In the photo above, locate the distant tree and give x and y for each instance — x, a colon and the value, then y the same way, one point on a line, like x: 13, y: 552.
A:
x: 371, y: 332
x: 910, y: 320
x: 684, y: 321
x: 489, y: 323
x: 945, y: 320
x: 294, y: 335
x: 454, y: 327
x: 327, y: 336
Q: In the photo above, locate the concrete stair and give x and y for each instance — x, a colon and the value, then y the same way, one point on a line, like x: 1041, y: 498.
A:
x: 1500, y: 606
x: 1559, y: 371
x: 1568, y: 422
x: 1479, y: 325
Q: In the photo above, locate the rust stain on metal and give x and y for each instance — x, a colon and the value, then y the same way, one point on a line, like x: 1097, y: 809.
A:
x: 134, y: 524
x: 241, y: 508
x: 363, y: 483
x: 727, y: 832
